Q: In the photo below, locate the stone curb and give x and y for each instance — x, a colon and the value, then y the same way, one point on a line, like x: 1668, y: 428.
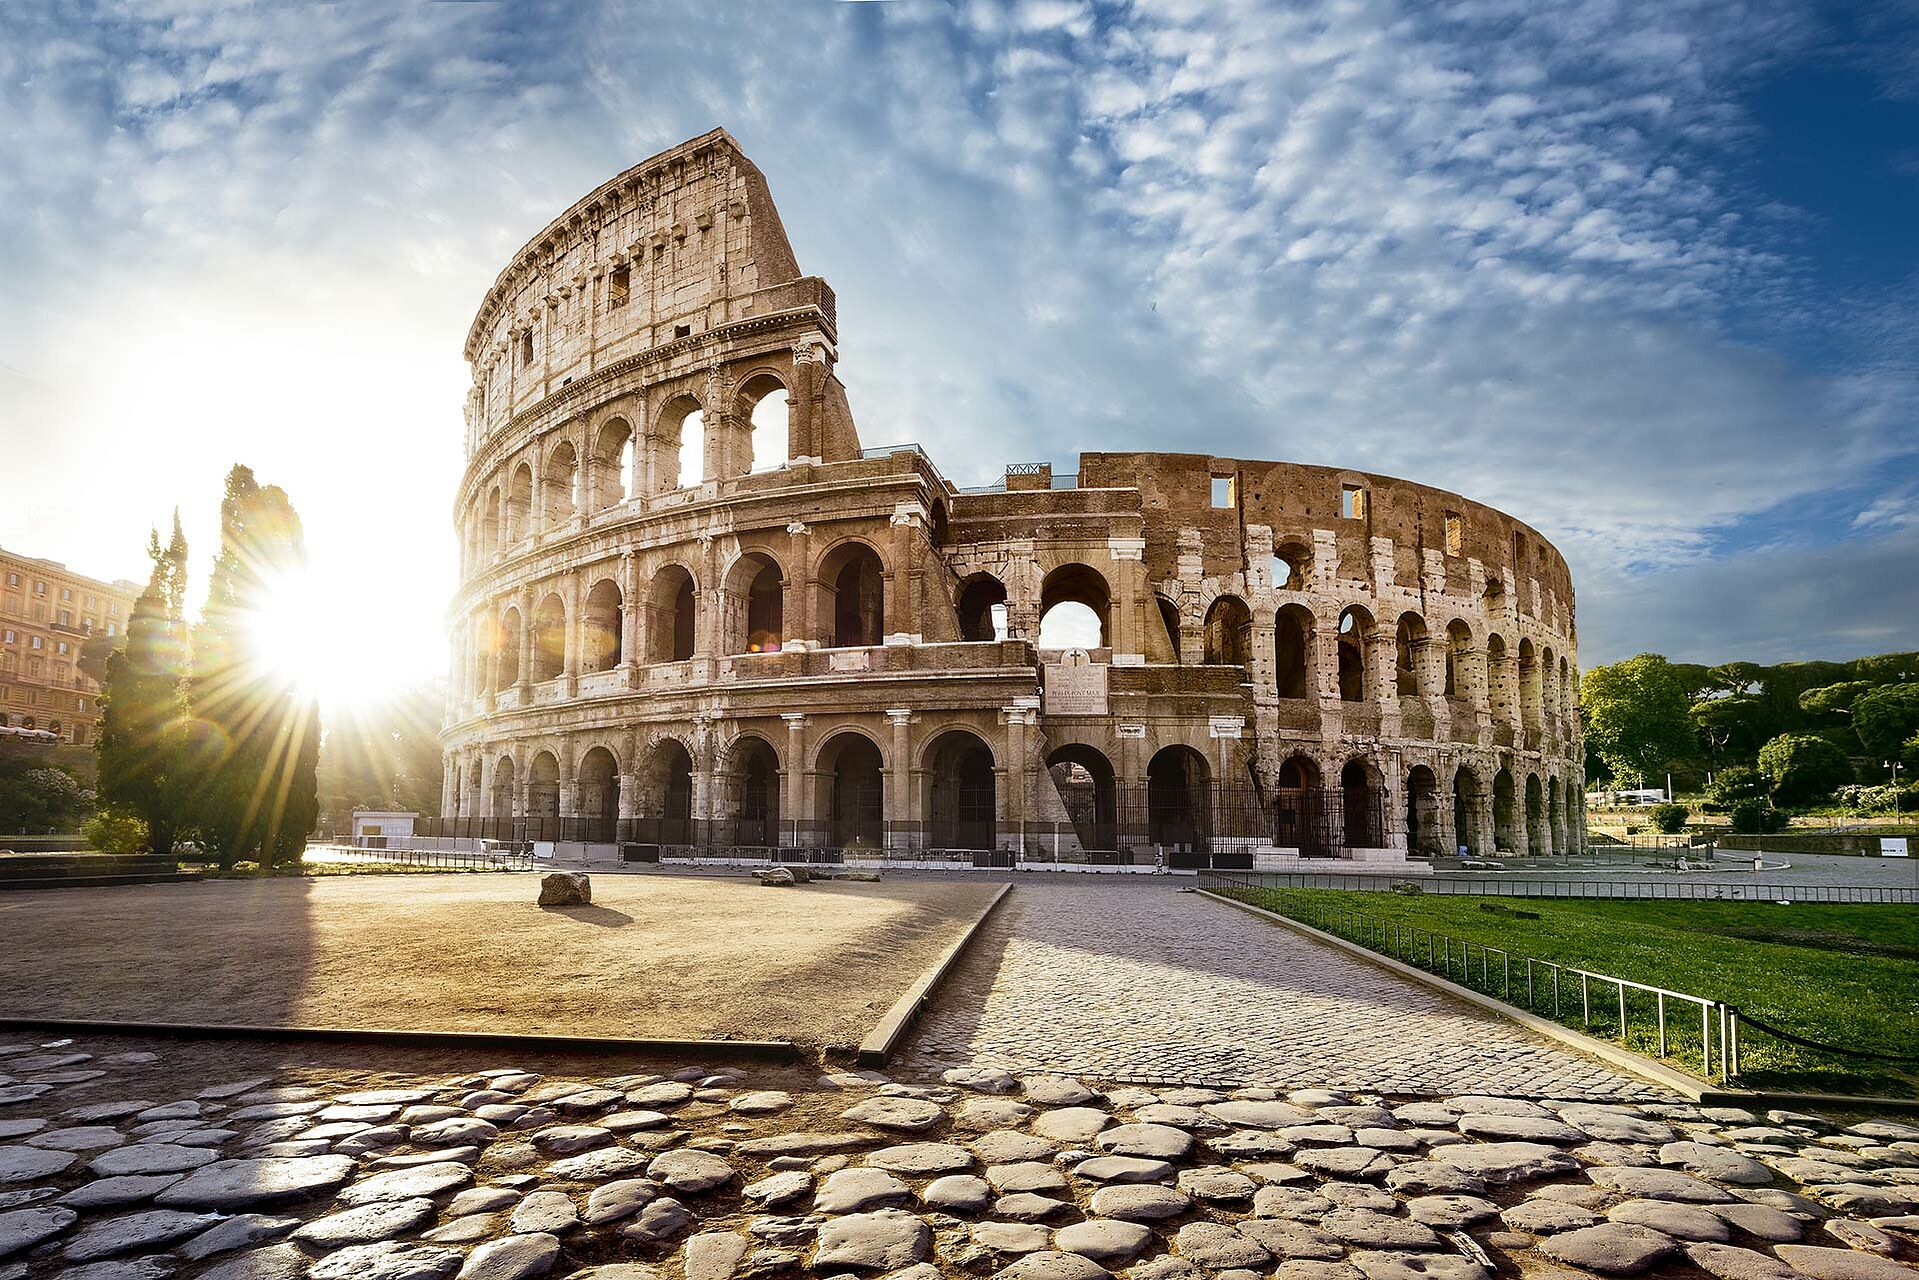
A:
x: 884, y: 1039
x: 737, y: 1050
x: 1638, y: 1064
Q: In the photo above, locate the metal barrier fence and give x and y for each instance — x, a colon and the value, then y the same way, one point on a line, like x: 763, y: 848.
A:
x: 1583, y: 887
x: 1541, y: 986
x: 500, y: 859
x: 1195, y: 823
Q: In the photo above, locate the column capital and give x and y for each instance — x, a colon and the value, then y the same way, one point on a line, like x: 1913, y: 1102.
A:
x: 794, y: 719
x: 899, y: 716
x: 1126, y: 548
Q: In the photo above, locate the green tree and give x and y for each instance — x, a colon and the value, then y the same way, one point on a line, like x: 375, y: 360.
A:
x: 256, y: 736
x: 1637, y: 715
x: 1885, y: 718
x: 37, y: 797
x: 1732, y: 727
x: 1804, y: 768
x: 1833, y: 702
x: 139, y: 751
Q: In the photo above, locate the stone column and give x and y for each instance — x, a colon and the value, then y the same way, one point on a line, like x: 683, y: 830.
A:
x: 1020, y: 717
x: 899, y: 802
x: 796, y: 607
x: 1443, y: 817
x: 903, y: 543
x: 629, y: 617
x: 1129, y: 597
x: 575, y: 628
x: 703, y: 770
x: 1382, y: 674
x: 449, y: 806
x: 796, y: 797
x: 526, y: 645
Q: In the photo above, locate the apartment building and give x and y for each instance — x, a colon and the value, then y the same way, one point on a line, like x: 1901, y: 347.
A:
x: 47, y: 613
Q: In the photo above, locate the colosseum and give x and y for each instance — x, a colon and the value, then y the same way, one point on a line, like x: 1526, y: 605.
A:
x: 699, y: 617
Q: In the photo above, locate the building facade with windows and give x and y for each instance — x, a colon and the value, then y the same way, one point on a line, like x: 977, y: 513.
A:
x: 47, y: 613
x: 696, y: 610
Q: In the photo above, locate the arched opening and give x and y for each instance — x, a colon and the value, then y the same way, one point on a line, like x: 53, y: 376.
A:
x: 556, y: 486
x: 960, y: 797
x: 666, y: 794
x: 936, y: 531
x: 1292, y: 630
x: 1291, y: 566
x: 601, y: 638
x: 853, y: 582
x: 1537, y: 840
x: 597, y: 800
x: 1355, y: 628
x: 610, y: 465
x: 490, y: 526
x: 1556, y: 816
x: 1169, y: 622
x: 543, y: 790
x: 1177, y: 813
x: 509, y: 649
x: 682, y: 444
x: 1300, y: 810
x: 1422, y: 813
x: 1459, y: 647
x: 755, y: 605
x: 1466, y: 803
x: 549, y: 639
x: 763, y: 404
x: 852, y: 799
x: 752, y: 782
x: 519, y: 504
x: 673, y: 612
x: 982, y: 608
x: 1499, y: 695
x: 1506, y: 830
x: 1362, y: 800
x: 1408, y: 637
x: 1529, y: 690
x: 504, y: 784
x: 1083, y: 776
x: 1229, y: 633
x: 1074, y: 602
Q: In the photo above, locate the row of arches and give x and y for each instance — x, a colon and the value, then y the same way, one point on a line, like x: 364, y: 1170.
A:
x: 754, y: 802
x: 552, y: 487
x: 666, y: 621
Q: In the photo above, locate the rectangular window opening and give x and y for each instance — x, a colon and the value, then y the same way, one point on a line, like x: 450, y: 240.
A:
x: 526, y: 348
x: 617, y: 286
x: 1223, y: 492
x: 1455, y: 534
x: 1352, y: 502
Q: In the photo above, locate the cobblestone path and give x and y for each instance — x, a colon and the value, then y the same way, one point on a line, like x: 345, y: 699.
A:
x: 1140, y: 981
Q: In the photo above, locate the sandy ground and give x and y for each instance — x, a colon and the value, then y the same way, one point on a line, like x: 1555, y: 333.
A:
x: 654, y: 956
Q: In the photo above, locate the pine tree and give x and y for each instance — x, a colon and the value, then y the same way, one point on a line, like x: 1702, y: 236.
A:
x: 139, y: 751
x: 256, y: 736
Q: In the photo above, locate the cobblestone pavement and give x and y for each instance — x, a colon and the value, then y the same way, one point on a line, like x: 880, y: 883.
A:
x: 1139, y: 981
x: 147, y: 1160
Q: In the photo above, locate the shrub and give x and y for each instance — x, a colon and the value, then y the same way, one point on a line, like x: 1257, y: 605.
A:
x: 1756, y: 817
x: 1735, y: 783
x: 111, y: 831
x: 1804, y: 768
x: 1670, y: 818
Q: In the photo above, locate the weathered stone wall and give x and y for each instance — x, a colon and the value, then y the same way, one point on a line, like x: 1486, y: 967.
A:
x: 822, y: 633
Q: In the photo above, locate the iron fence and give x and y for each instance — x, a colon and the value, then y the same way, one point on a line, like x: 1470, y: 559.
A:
x: 1639, y: 887
x: 1546, y: 987
x: 497, y: 859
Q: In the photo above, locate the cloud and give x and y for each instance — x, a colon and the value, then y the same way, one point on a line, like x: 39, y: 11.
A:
x: 1492, y: 245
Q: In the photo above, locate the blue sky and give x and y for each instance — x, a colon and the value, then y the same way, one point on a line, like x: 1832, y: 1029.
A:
x: 1643, y: 274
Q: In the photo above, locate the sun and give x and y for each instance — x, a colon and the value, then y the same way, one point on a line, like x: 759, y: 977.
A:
x: 310, y: 635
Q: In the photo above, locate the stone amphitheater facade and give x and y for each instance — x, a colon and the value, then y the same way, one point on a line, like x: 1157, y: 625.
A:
x: 692, y: 620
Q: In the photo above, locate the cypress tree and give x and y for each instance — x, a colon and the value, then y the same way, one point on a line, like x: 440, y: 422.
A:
x: 256, y: 736
x: 140, y: 747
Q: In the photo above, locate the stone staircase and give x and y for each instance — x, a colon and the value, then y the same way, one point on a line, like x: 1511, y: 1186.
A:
x: 86, y: 870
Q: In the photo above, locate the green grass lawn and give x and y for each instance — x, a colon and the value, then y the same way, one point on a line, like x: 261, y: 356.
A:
x: 1837, y: 973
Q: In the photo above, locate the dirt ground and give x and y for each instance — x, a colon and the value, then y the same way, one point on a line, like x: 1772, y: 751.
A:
x: 656, y: 955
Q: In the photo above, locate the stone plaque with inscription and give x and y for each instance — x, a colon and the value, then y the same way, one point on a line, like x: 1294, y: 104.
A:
x: 1075, y: 686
